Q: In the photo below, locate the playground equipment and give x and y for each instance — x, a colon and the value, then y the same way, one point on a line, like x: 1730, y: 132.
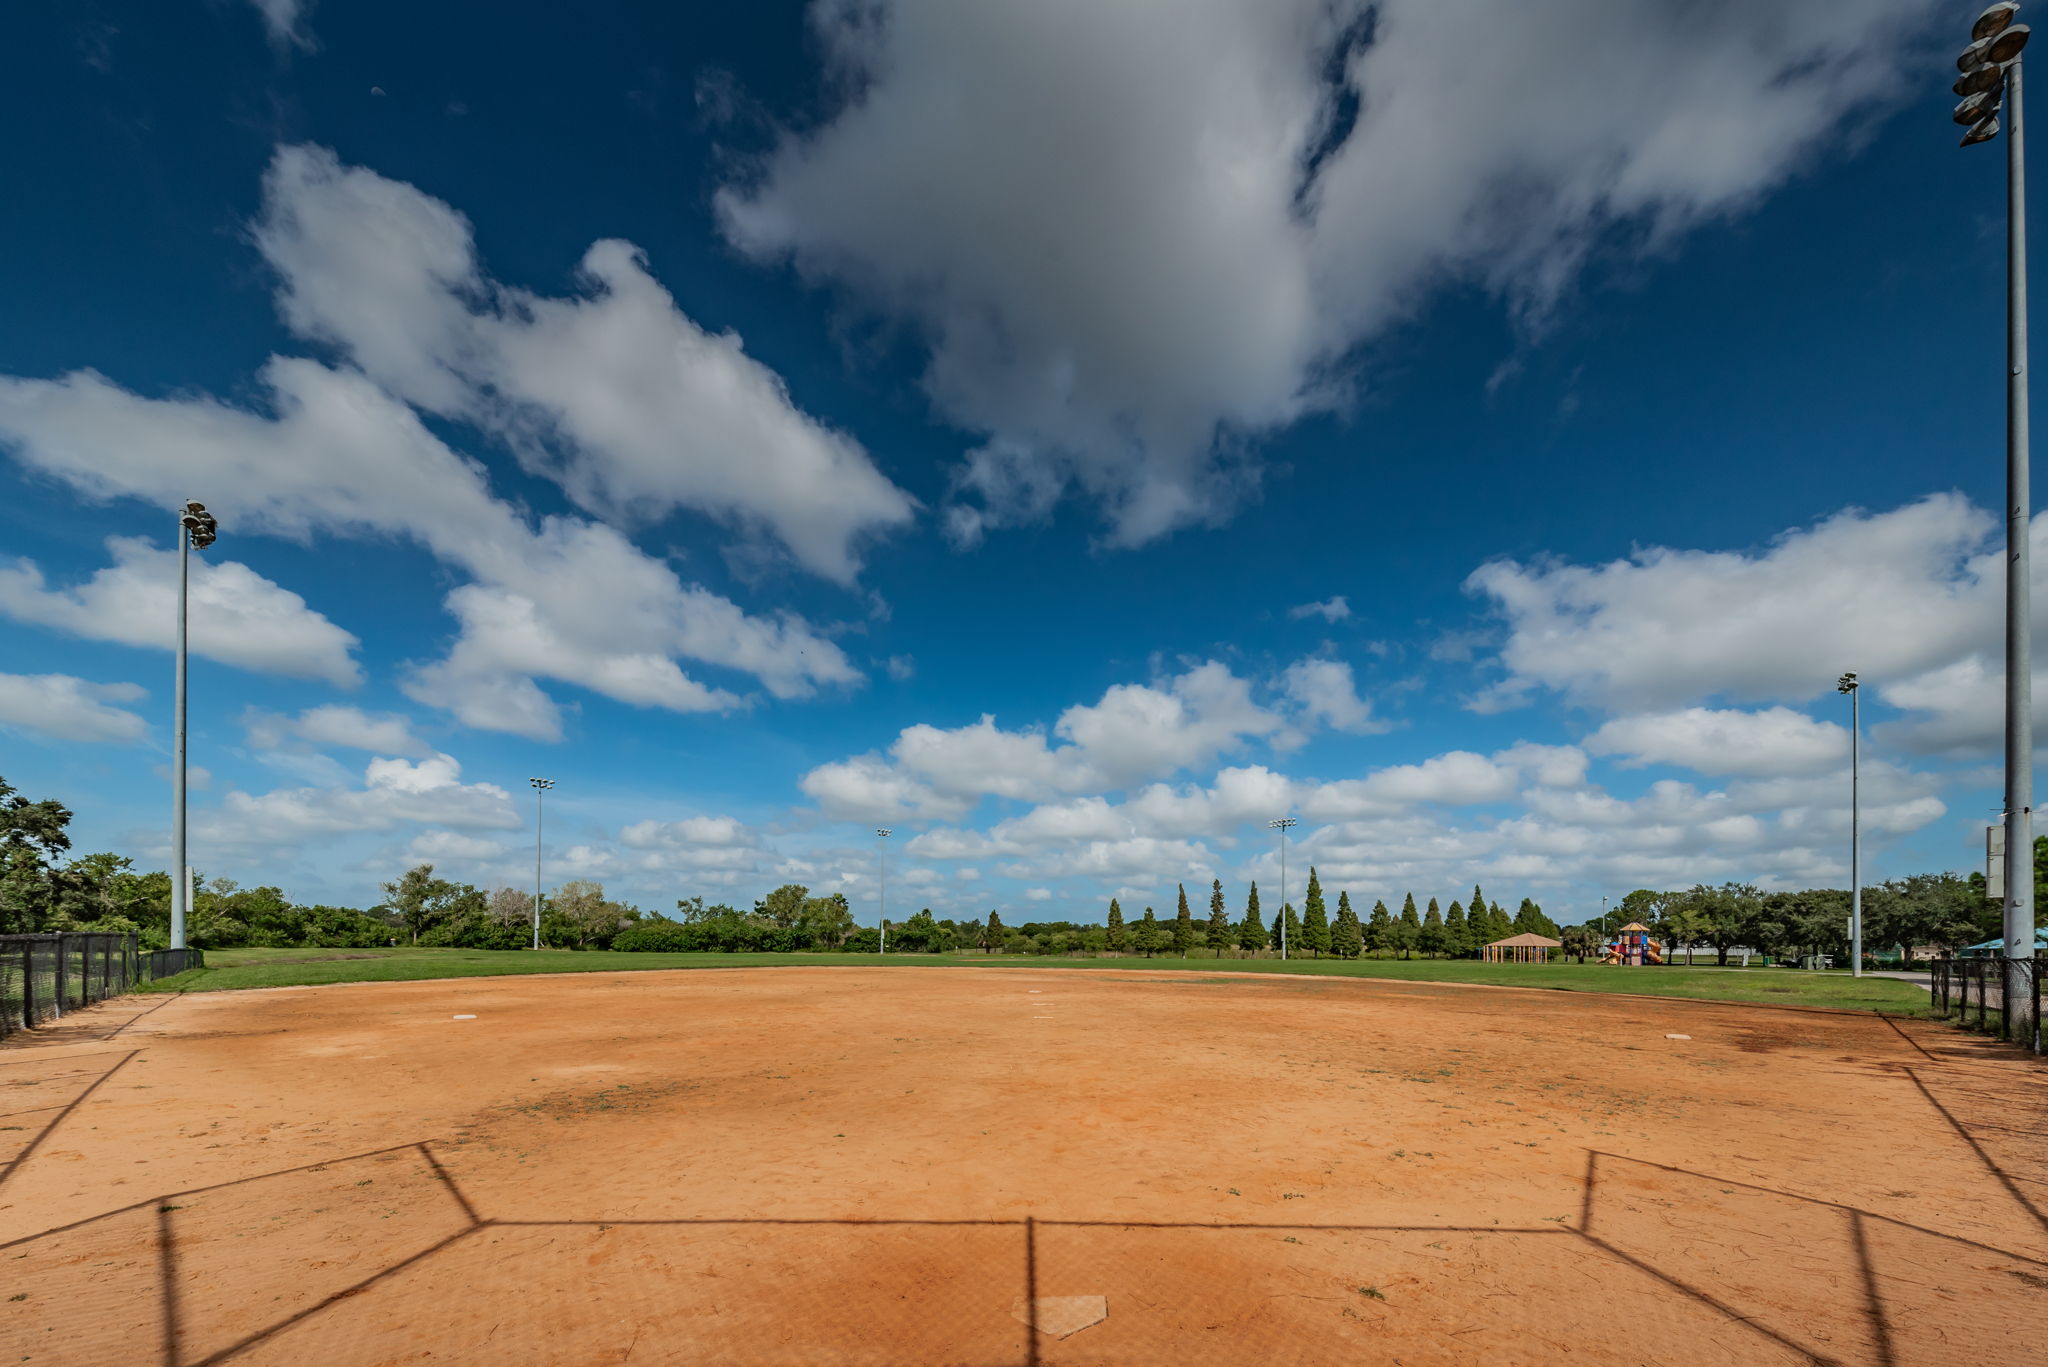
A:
x: 1633, y: 946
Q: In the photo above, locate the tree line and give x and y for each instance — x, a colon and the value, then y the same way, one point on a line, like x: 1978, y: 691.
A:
x: 1942, y: 912
x: 43, y: 887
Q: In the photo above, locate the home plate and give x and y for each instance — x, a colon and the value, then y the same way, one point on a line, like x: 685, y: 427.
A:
x: 1678, y: 1037
x: 462, y: 1018
x: 1060, y: 1316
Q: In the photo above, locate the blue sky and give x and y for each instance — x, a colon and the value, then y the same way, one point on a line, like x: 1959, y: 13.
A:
x: 724, y: 410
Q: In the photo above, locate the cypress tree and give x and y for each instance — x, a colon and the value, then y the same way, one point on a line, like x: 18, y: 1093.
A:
x: 1116, y: 937
x: 1221, y: 934
x: 1183, y: 926
x: 1525, y: 918
x: 1150, y: 935
x: 1475, y: 917
x: 1432, y: 938
x: 1346, y: 939
x: 1315, y: 923
x: 1251, y: 935
x: 1379, y: 930
x: 1408, y: 928
x: 992, y: 937
x: 1502, y: 926
x: 1457, y: 938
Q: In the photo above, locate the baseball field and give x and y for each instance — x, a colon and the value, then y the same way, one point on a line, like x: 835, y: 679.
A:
x: 816, y: 1167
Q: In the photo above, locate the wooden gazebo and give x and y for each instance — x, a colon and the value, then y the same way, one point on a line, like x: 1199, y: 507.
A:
x: 1519, y: 949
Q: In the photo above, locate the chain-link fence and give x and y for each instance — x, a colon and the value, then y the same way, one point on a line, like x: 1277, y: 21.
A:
x: 43, y: 976
x: 1973, y: 992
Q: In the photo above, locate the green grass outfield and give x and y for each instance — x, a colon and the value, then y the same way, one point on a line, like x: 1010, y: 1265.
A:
x: 228, y: 969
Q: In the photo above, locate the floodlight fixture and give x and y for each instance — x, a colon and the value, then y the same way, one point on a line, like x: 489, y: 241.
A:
x: 1983, y: 132
x: 1978, y: 79
x: 1976, y: 109
x: 1974, y: 54
x: 2007, y: 45
x: 199, y: 524
x: 1994, y: 20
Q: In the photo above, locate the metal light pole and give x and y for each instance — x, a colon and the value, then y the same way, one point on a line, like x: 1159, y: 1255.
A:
x: 540, y: 786
x: 1991, y: 68
x: 1281, y: 826
x: 1847, y: 684
x: 882, y: 884
x: 196, y: 527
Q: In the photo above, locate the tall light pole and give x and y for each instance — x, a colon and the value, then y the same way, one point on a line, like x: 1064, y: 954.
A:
x: 1847, y: 684
x: 882, y: 884
x: 1991, y: 70
x: 196, y: 528
x: 1281, y: 825
x: 540, y: 786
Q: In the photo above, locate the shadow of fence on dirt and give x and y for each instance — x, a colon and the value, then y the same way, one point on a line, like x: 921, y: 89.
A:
x: 369, y: 1257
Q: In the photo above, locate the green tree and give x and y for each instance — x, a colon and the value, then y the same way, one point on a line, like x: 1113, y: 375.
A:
x: 1379, y: 930
x: 1407, y: 929
x: 993, y: 933
x: 418, y: 900
x: 1457, y: 935
x: 1251, y: 933
x: 1432, y: 940
x: 1923, y: 909
x: 1149, y: 936
x: 1346, y: 938
x: 1117, y: 935
x: 1221, y: 934
x: 1315, y: 921
x: 578, y: 916
x: 1183, y: 926
x: 783, y: 907
x: 825, y: 922
x: 1732, y: 909
x: 1524, y: 923
x: 1530, y: 920
x: 32, y: 837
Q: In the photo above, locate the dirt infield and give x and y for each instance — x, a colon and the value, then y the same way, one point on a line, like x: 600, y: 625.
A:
x: 816, y: 1167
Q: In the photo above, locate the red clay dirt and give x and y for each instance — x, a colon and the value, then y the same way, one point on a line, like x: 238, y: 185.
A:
x: 817, y: 1167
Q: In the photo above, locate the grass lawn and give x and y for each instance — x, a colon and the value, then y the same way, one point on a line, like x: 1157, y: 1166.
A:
x: 242, y: 968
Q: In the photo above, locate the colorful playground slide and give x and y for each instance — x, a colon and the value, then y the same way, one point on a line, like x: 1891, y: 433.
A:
x: 1633, y: 946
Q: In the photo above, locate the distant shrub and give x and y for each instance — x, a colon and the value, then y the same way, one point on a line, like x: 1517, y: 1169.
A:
x: 659, y: 937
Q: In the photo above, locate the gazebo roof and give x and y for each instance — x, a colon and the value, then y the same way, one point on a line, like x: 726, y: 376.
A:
x: 1634, y: 925
x: 1532, y: 941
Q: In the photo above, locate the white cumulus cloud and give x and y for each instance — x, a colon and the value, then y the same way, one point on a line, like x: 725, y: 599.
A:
x: 1775, y: 740
x: 67, y: 708
x: 1133, y: 233
x: 333, y: 726
x: 631, y: 405
x: 237, y: 616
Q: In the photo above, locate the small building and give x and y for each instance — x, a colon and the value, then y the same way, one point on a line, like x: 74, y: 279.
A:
x: 1520, y: 949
